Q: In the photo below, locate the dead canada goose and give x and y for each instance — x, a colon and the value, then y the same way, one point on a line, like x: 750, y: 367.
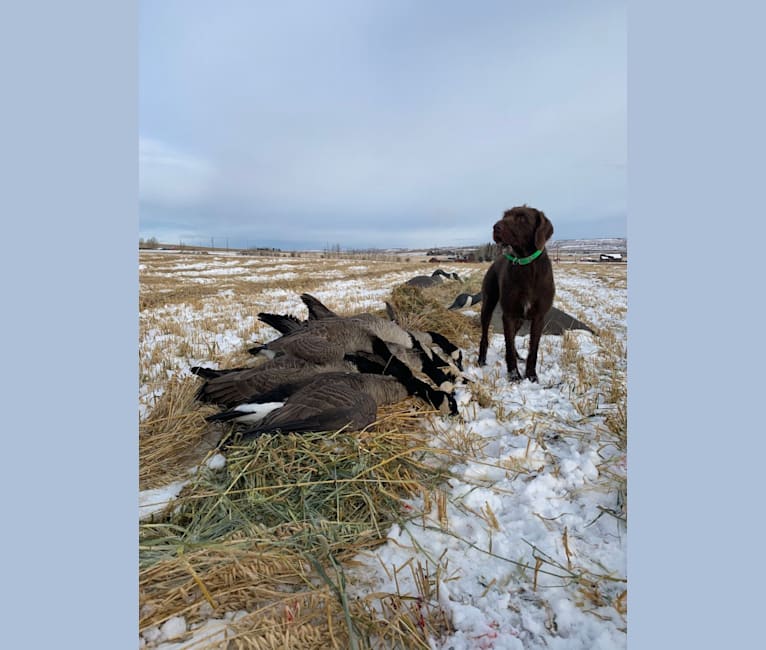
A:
x: 425, y: 281
x: 262, y: 383
x: 555, y: 322
x: 388, y: 329
x: 330, y: 402
x: 449, y: 276
x: 262, y: 404
x: 465, y: 300
x: 415, y: 356
x: 326, y: 341
x: 428, y: 340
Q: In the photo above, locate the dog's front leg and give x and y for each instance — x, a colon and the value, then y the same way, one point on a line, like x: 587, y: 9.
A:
x: 510, y: 327
x: 535, y: 331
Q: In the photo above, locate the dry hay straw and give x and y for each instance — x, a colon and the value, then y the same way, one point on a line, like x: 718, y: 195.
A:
x: 426, y: 310
x: 175, y: 435
x: 271, y: 532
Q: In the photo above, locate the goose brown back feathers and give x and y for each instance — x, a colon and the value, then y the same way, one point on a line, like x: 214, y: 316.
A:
x: 248, y: 385
x: 329, y: 339
x: 332, y: 401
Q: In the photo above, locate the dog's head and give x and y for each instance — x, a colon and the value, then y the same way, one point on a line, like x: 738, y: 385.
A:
x: 524, y: 229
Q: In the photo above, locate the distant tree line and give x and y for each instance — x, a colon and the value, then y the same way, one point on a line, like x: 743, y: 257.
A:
x: 483, y: 253
x: 261, y: 251
x: 334, y: 251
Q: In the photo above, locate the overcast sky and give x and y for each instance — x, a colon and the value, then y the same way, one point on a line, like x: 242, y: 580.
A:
x: 379, y: 123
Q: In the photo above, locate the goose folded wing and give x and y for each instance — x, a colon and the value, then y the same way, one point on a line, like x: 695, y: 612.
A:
x: 313, y: 346
x: 316, y: 348
x: 322, y: 408
x: 254, y: 385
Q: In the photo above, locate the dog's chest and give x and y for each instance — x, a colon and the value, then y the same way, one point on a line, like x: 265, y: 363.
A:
x: 519, y: 304
x: 523, y: 293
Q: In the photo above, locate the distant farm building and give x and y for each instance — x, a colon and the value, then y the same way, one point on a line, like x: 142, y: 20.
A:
x: 610, y: 257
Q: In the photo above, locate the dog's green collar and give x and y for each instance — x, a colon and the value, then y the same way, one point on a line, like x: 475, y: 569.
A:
x: 523, y: 260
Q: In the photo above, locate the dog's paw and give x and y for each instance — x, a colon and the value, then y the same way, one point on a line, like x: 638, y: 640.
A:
x: 482, y: 361
x: 514, y: 375
x: 532, y: 377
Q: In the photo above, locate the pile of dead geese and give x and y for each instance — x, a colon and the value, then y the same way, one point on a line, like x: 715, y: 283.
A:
x: 329, y: 372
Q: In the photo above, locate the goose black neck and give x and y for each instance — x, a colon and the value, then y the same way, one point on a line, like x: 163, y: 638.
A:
x: 414, y: 386
x: 431, y: 369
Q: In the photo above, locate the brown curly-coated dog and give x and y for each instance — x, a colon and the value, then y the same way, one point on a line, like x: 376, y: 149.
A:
x: 522, y: 280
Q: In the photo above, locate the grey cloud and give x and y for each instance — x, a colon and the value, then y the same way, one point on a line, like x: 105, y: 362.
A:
x: 381, y: 121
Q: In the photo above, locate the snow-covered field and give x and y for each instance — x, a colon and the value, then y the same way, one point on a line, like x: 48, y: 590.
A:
x: 526, y: 544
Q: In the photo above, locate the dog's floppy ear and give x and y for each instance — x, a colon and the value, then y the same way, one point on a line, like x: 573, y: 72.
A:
x: 544, y: 230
